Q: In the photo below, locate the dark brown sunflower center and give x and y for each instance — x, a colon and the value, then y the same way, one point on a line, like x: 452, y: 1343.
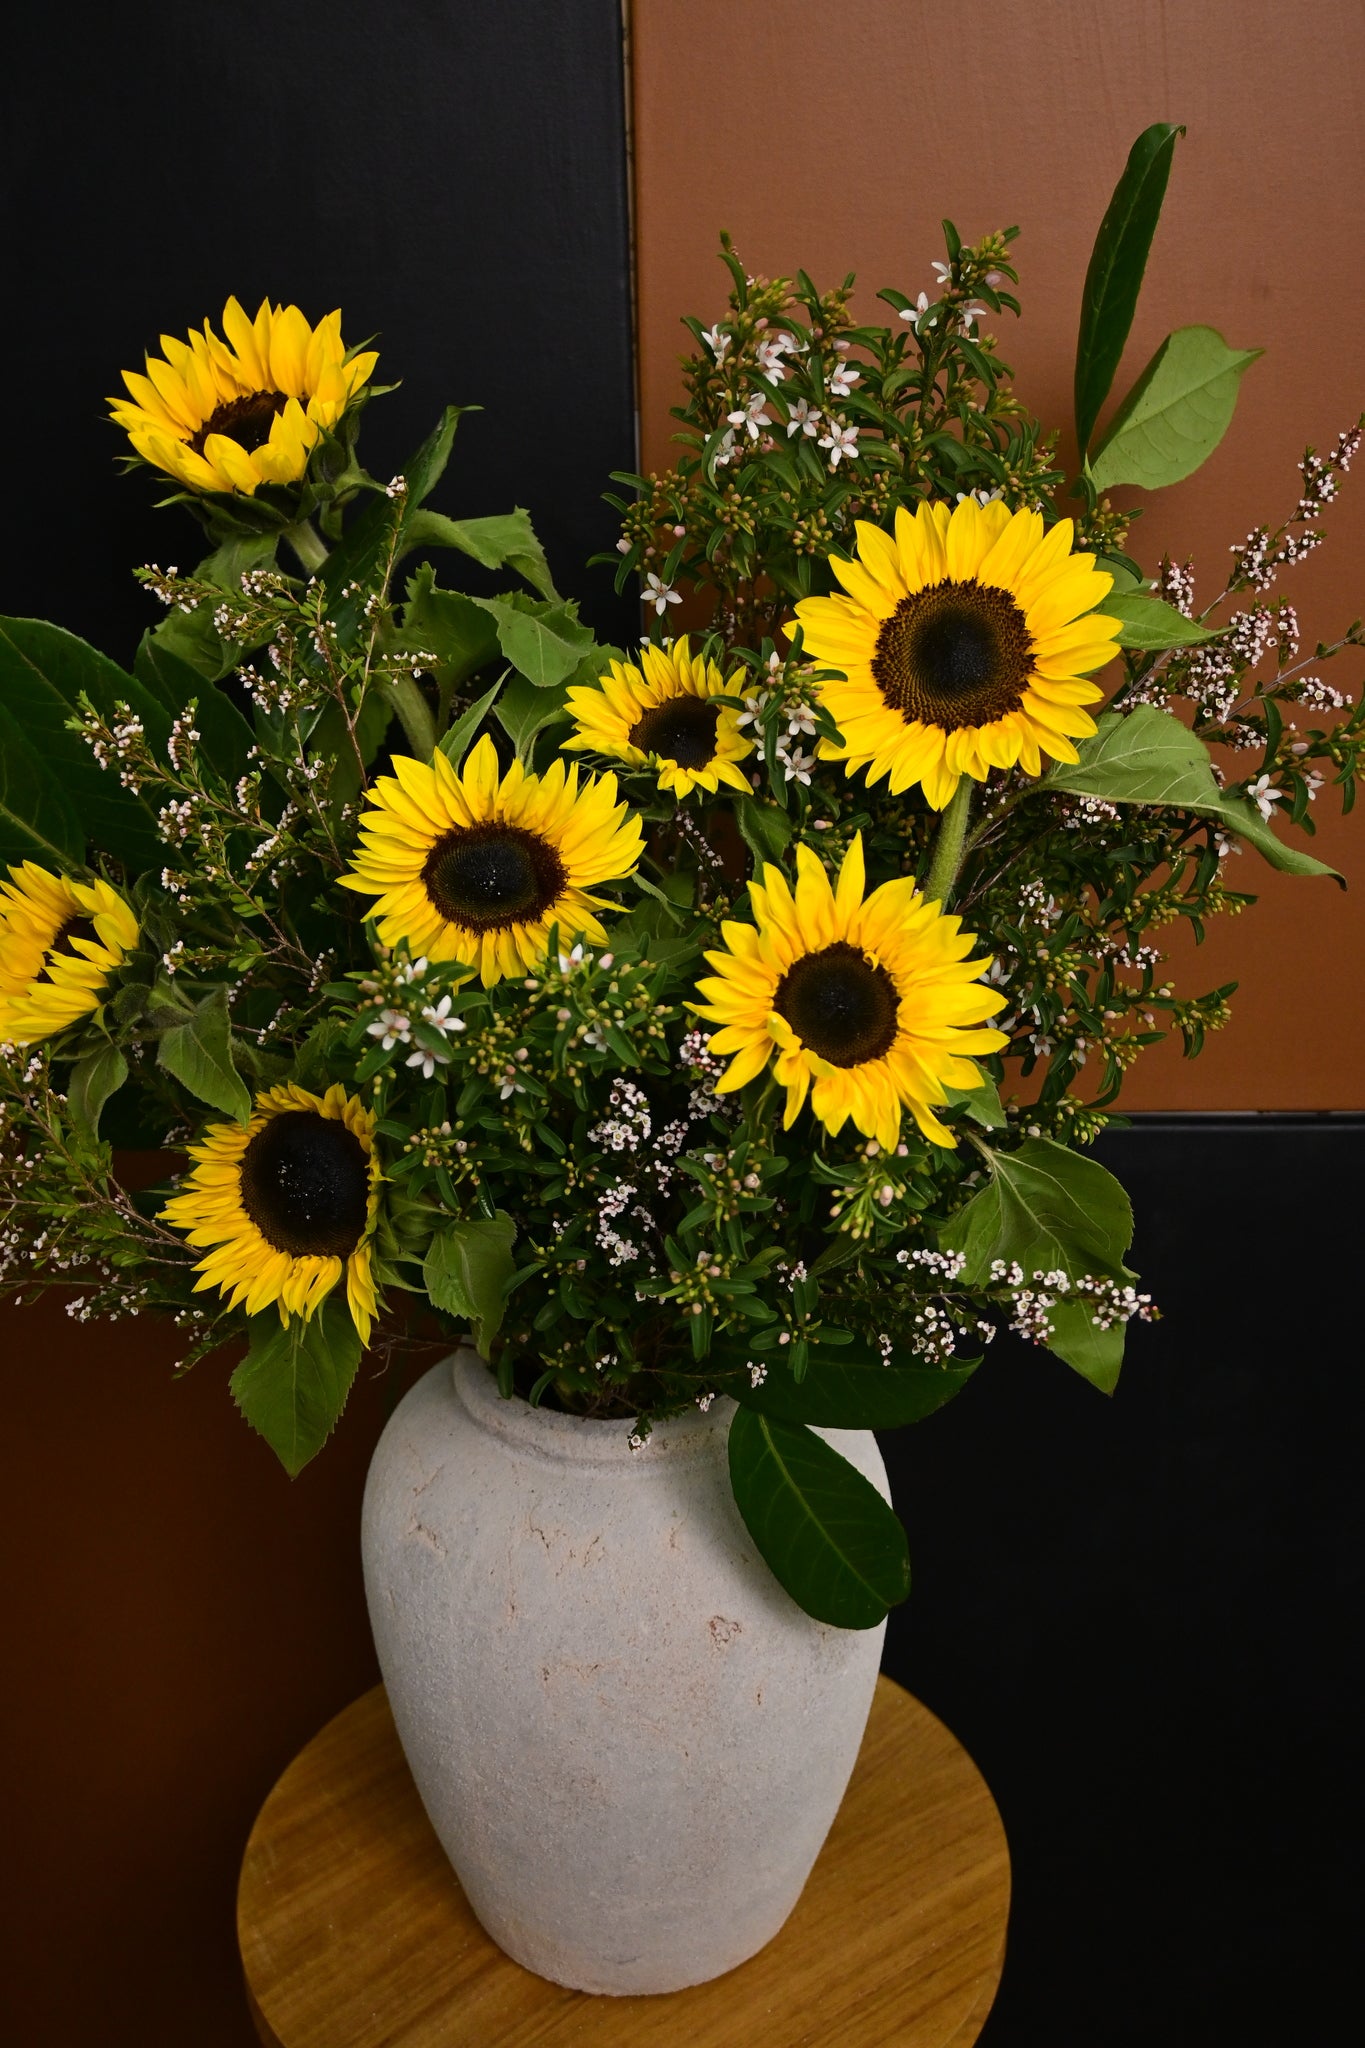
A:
x: 247, y: 420
x: 955, y: 654
x: 681, y: 730
x: 840, y: 1004
x: 485, y: 877
x: 62, y: 946
x: 305, y: 1183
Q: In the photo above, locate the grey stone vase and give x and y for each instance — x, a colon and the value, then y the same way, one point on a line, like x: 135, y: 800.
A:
x: 629, y: 1739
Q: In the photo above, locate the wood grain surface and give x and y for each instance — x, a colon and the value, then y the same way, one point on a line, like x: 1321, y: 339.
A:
x: 355, y: 1934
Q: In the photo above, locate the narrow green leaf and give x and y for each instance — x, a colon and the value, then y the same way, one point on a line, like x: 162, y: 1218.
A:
x: 1148, y: 757
x: 37, y: 820
x: 292, y: 1385
x: 1117, y: 264
x: 456, y: 742
x: 1175, y: 415
x: 982, y: 1104
x: 199, y: 1055
x: 467, y: 1270
x: 1151, y: 625
x: 849, y: 1386
x: 823, y: 1530
x: 93, y: 1080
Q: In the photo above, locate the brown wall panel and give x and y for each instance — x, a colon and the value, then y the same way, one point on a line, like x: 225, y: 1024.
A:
x: 836, y: 138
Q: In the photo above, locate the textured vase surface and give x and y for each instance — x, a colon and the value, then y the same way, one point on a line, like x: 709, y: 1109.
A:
x: 630, y: 1740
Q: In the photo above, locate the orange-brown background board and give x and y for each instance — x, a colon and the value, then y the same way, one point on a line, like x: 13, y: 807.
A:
x: 836, y: 138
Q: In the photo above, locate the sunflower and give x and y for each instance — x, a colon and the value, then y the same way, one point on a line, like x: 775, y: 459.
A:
x: 286, y: 1206
x: 658, y: 713
x: 964, y: 642
x: 469, y: 868
x: 60, y: 942
x: 229, y: 415
x: 871, y: 1005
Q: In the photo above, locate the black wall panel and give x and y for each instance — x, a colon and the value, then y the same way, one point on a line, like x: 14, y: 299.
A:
x: 1143, y: 1614
x: 449, y: 172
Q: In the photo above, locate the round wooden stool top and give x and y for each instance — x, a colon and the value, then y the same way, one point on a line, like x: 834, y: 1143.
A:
x: 355, y: 1934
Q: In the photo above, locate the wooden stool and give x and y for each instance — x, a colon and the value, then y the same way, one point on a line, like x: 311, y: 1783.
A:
x: 355, y: 1934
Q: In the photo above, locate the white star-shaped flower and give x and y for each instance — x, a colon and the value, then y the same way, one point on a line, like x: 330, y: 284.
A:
x: 840, y: 441
x: 659, y: 594
x: 843, y: 378
x: 753, y: 417
x: 391, y: 1028
x: 804, y: 418
x: 718, y: 343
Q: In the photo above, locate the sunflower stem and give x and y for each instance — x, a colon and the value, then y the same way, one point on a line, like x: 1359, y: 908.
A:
x: 414, y: 714
x: 307, y: 545
x: 952, y: 835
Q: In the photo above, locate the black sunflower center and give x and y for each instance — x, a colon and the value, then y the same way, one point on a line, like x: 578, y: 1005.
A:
x: 840, y: 1004
x: 305, y: 1184
x: 486, y: 877
x: 246, y: 420
x: 62, y: 947
x: 681, y: 730
x: 955, y: 654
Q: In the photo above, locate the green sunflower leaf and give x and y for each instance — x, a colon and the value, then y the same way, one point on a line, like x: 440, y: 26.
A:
x: 824, y: 1531
x: 1151, y: 625
x: 456, y: 742
x: 1175, y: 415
x: 198, y: 1053
x: 467, y: 1271
x: 37, y: 821
x: 1148, y: 757
x: 1048, y: 1208
x: 505, y: 541
x: 292, y: 1385
x: 93, y: 1080
x: 227, y: 738
x: 524, y: 710
x: 848, y: 1386
x: 44, y: 671
x: 544, y: 642
x: 1117, y: 265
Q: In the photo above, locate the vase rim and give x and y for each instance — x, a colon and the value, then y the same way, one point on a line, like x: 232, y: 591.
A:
x: 581, y: 1439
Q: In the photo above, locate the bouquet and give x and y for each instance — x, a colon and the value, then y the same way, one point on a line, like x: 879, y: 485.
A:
x: 723, y: 1015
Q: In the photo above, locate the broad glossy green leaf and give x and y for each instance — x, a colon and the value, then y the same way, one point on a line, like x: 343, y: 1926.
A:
x: 199, y: 1055
x: 1050, y: 1208
x: 92, y: 1081
x: 467, y: 1269
x: 1150, y: 624
x: 823, y: 1530
x: 227, y: 738
x: 544, y: 642
x: 849, y: 1386
x: 37, y: 819
x: 43, y: 671
x: 505, y: 541
x: 1175, y: 415
x: 292, y: 1385
x: 1117, y: 264
x: 1149, y: 757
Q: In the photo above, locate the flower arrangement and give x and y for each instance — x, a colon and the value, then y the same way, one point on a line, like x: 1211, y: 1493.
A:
x: 724, y: 1015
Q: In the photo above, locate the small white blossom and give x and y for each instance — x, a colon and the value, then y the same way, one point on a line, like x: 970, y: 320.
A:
x: 753, y: 417
x: 804, y: 419
x: 840, y: 441
x: 843, y: 378
x: 391, y: 1027
x: 1264, y: 797
x: 660, y: 594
